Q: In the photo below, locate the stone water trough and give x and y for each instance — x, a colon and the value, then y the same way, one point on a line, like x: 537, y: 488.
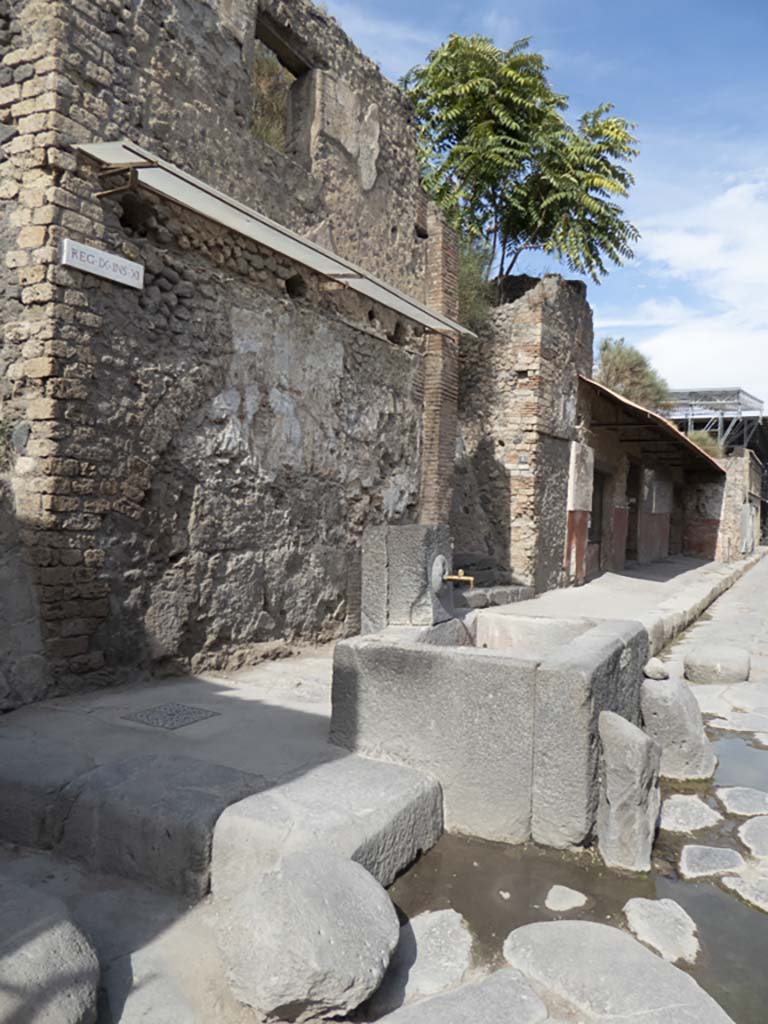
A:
x: 503, y: 711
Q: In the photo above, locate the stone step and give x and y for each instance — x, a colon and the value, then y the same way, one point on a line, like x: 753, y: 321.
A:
x: 148, y: 817
x: 379, y: 814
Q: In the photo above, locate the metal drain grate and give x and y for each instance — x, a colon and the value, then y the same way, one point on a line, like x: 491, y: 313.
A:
x: 170, y: 716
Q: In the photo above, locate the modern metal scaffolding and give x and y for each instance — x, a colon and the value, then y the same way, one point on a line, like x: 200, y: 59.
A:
x: 732, y: 415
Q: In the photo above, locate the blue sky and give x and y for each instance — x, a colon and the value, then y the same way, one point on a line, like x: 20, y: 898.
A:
x: 694, y: 76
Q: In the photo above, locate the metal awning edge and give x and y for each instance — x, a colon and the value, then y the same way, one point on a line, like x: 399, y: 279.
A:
x: 127, y: 154
x: 655, y: 419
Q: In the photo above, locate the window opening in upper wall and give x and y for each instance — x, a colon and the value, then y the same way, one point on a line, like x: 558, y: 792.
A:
x: 276, y: 70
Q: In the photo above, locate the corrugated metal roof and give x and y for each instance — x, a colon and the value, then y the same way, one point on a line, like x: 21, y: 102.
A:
x: 656, y: 422
x: 179, y: 187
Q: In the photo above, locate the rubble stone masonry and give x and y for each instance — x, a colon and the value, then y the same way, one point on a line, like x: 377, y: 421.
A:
x: 192, y: 465
x: 518, y: 416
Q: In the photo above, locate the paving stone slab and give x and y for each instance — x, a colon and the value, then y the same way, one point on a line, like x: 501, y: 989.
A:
x: 665, y: 927
x: 754, y: 835
x: 49, y: 972
x: 686, y: 814
x: 710, y: 699
x: 506, y: 997
x: 605, y: 975
x: 560, y: 899
x: 740, y: 721
x: 751, y: 885
x: 380, y: 815
x: 310, y: 939
x: 743, y: 801
x: 139, y: 990
x: 151, y: 818
x: 708, y: 861
x: 434, y: 953
x: 747, y: 696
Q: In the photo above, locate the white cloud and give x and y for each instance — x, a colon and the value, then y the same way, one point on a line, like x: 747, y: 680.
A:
x: 717, y: 249
x: 396, y: 45
x: 651, y: 313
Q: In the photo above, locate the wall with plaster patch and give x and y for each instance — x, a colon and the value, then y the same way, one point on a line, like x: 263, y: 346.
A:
x: 192, y: 465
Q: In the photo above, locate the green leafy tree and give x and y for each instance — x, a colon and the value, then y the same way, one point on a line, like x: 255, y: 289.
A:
x: 623, y: 368
x: 500, y: 158
x: 475, y: 292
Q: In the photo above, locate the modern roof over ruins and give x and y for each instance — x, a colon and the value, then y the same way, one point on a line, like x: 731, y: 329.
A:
x: 672, y: 446
x: 169, y: 181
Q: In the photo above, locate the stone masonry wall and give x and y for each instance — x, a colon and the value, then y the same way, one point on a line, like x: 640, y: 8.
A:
x: 517, y: 415
x: 192, y: 465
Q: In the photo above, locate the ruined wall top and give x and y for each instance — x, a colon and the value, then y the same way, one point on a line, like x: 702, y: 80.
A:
x: 178, y: 77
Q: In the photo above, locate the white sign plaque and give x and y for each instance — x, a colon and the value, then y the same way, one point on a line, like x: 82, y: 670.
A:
x: 103, y: 264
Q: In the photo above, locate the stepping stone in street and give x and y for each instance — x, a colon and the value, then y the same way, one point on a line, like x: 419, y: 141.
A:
x: 560, y: 899
x: 665, y: 927
x: 434, y: 954
x: 682, y: 813
x: 502, y: 998
x: 716, y: 664
x: 706, y: 861
x: 602, y: 973
x: 751, y: 885
x: 743, y: 801
x: 754, y: 834
x: 741, y: 721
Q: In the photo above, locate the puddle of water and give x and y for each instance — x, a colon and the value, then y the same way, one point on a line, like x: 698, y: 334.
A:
x: 498, y: 888
x: 740, y: 763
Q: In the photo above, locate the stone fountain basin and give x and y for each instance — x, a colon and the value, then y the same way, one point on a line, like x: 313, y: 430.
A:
x: 501, y: 709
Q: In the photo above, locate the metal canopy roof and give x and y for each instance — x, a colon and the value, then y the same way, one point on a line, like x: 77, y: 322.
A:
x: 172, y: 183
x: 660, y: 437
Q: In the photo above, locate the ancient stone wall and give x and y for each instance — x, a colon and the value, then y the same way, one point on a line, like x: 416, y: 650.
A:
x: 518, y: 413
x: 192, y: 465
x: 739, y: 528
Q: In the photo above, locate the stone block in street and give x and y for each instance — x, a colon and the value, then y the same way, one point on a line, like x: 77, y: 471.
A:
x: 665, y: 927
x: 465, y: 715
x: 310, y: 939
x: 717, y: 664
x: 754, y: 835
x: 743, y: 801
x: 672, y: 717
x: 600, y: 669
x: 49, y: 972
x: 709, y: 861
x: 434, y: 953
x: 560, y: 899
x: 380, y: 815
x: 685, y: 813
x: 601, y: 973
x: 629, y: 794
x: 751, y: 884
x: 506, y: 997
